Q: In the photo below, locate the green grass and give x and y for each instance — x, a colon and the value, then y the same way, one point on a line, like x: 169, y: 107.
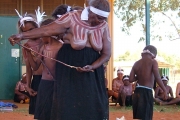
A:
x: 21, y: 110
x: 156, y: 108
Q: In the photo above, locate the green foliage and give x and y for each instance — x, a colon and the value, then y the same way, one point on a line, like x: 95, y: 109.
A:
x: 128, y: 56
x: 132, y: 11
x: 135, y: 55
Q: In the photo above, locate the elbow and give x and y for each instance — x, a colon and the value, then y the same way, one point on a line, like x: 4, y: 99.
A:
x: 108, y: 56
x: 35, y: 68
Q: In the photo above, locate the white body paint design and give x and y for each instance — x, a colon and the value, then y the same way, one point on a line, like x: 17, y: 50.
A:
x: 83, y: 33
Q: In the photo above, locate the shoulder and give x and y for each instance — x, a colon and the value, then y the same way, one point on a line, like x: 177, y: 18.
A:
x: 154, y: 61
x: 18, y: 83
x: 178, y: 85
x: 136, y: 64
x: 114, y: 79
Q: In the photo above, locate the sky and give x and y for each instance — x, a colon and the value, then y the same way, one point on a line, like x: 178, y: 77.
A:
x: 123, y: 42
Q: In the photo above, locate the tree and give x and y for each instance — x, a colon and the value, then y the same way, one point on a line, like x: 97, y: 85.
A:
x: 133, y: 11
x: 135, y: 55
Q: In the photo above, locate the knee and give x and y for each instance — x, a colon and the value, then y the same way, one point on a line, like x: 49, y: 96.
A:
x: 22, y: 97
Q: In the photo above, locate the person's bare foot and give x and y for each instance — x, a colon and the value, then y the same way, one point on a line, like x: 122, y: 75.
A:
x: 162, y: 103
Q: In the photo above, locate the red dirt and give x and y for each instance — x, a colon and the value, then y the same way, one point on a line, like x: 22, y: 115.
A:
x: 156, y: 116
x: 21, y: 113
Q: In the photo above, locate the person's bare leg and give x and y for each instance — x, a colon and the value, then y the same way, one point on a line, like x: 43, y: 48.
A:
x: 21, y: 98
x: 117, y: 99
x: 173, y: 101
x: 158, y: 101
x: 119, y: 96
x: 123, y: 97
x: 116, y: 95
x: 110, y: 93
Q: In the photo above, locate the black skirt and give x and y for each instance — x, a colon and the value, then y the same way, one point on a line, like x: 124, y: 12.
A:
x: 34, y: 85
x: 44, y: 100
x: 79, y: 95
x: 142, y: 104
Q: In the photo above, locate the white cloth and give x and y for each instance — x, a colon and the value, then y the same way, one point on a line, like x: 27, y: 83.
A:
x: 99, y: 12
x: 84, y: 14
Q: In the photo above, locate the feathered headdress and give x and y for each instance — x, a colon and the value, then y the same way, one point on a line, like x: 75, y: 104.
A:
x: 39, y: 17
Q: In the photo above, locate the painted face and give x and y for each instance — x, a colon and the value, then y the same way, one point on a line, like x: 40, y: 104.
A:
x: 27, y: 27
x: 94, y: 19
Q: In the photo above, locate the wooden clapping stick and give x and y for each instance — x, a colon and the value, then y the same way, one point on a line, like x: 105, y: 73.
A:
x: 48, y: 57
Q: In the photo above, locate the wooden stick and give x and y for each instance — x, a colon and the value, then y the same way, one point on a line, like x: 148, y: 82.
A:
x: 48, y: 57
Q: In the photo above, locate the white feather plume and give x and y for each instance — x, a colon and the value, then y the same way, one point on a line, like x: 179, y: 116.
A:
x: 39, y: 15
x: 19, y: 14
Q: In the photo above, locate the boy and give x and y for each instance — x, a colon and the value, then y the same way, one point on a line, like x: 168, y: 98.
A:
x: 159, y: 94
x: 45, y: 92
x: 145, y: 71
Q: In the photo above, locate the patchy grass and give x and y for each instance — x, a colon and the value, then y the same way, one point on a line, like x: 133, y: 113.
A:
x: 168, y: 108
x: 21, y: 110
x: 156, y: 108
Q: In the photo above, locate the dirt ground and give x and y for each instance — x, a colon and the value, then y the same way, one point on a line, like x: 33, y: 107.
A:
x: 160, y: 113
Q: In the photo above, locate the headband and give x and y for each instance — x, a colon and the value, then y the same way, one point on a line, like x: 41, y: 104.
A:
x: 55, y: 37
x: 39, y: 17
x: 125, y: 78
x: 120, y: 71
x: 164, y: 78
x: 99, y: 12
x: 147, y: 51
x: 68, y: 10
x: 85, y: 12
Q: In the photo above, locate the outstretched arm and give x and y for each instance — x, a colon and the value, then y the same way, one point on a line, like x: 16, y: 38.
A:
x: 51, y: 29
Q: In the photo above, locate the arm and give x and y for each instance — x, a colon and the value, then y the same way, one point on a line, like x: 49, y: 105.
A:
x: 28, y: 73
x: 55, y: 28
x: 17, y: 89
x: 132, y: 77
x: 34, y: 63
x: 158, y: 78
x: 106, y: 51
x: 28, y: 69
x: 178, y: 90
x: 156, y: 95
x: 114, y: 85
x: 171, y: 92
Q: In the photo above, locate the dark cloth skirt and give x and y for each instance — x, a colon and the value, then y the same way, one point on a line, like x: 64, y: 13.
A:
x: 34, y: 85
x: 142, y: 104
x: 16, y: 97
x: 79, y: 95
x: 44, y: 100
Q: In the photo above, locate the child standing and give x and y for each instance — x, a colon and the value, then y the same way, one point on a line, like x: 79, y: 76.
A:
x: 45, y: 92
x: 145, y: 71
